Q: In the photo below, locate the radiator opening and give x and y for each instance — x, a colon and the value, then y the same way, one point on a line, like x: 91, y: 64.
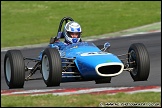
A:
x: 111, y: 69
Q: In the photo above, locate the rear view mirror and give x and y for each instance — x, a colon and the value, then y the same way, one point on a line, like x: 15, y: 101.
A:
x: 106, y: 46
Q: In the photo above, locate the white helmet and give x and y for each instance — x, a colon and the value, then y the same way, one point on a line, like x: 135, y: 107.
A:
x: 72, y: 26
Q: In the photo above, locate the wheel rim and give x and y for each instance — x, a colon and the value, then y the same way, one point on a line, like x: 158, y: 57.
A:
x: 8, y: 70
x: 45, y: 67
x: 132, y: 58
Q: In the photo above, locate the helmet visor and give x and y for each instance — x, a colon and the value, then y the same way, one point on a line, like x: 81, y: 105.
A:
x: 74, y: 34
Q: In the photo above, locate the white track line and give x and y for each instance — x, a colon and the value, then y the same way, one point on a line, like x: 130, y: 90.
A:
x: 107, y: 90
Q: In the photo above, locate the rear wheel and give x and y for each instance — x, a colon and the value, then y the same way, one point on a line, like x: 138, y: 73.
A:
x: 51, y: 67
x: 104, y: 80
x: 14, y: 69
x: 141, y: 66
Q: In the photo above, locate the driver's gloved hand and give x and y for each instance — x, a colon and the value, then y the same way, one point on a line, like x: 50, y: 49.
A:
x: 53, y: 40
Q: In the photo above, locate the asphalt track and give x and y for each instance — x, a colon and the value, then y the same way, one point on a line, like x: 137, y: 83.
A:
x: 119, y: 46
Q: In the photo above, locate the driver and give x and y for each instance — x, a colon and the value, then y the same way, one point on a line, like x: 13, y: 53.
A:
x: 72, y: 32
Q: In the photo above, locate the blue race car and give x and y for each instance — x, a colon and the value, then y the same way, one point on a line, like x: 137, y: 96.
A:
x: 82, y: 61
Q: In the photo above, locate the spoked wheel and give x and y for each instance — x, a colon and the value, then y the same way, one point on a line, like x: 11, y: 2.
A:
x: 14, y: 69
x: 104, y: 80
x: 51, y: 67
x: 140, y: 62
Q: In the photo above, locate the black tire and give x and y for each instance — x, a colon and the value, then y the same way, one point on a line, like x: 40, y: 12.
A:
x: 14, y: 69
x: 51, y: 67
x: 104, y: 80
x: 139, y: 54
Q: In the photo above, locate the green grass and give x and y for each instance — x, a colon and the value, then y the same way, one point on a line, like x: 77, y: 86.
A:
x: 34, y: 22
x: 82, y: 100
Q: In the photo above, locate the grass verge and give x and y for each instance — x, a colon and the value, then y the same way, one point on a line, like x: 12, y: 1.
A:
x: 84, y: 100
x: 34, y: 22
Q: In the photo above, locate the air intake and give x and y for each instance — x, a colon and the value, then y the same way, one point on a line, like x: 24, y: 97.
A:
x: 109, y: 69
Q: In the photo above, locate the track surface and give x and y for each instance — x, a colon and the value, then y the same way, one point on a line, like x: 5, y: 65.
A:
x: 118, y: 46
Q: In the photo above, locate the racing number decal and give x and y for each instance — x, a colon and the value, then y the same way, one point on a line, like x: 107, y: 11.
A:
x: 94, y: 53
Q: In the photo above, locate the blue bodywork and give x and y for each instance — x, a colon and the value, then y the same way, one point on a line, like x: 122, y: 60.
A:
x: 86, y: 57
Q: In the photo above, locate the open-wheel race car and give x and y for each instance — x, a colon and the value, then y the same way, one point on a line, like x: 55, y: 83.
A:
x: 82, y: 61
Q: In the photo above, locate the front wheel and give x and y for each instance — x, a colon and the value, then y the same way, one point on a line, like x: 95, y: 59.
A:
x: 51, y: 67
x: 14, y: 69
x: 139, y: 57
